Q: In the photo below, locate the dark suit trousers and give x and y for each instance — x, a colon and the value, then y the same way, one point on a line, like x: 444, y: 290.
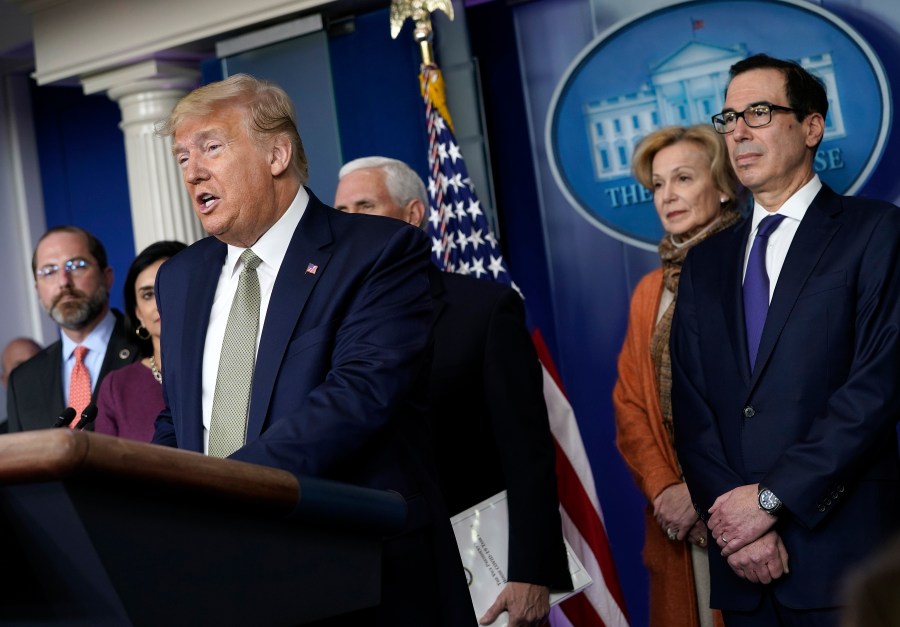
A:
x: 771, y: 613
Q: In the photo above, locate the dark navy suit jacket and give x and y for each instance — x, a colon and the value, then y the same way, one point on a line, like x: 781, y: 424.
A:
x: 815, y: 421
x: 340, y: 368
x: 34, y: 398
x: 491, y: 425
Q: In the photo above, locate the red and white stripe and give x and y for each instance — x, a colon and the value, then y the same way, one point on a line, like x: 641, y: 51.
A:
x: 602, y: 603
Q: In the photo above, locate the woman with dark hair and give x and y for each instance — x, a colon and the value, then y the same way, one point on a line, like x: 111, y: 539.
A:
x: 696, y: 195
x: 130, y: 398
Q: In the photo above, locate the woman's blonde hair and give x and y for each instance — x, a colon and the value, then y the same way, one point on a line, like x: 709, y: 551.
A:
x: 703, y: 135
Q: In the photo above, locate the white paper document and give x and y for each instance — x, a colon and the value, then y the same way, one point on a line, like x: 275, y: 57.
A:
x: 482, y: 535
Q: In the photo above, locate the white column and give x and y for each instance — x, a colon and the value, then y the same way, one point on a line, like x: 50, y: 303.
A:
x: 22, y: 219
x: 146, y: 93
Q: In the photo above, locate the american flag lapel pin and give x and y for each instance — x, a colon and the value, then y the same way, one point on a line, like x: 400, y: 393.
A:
x: 311, y: 268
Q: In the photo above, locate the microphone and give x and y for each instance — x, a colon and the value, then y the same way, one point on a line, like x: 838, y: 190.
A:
x: 87, y: 417
x: 65, y: 418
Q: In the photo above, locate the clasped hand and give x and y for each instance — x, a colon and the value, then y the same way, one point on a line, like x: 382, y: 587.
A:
x: 736, y: 520
x: 675, y: 514
x: 761, y: 561
x: 742, y: 531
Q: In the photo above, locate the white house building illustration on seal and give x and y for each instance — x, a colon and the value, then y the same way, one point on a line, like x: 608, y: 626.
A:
x: 688, y: 87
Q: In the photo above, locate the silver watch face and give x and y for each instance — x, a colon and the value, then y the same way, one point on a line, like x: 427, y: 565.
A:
x: 768, y: 501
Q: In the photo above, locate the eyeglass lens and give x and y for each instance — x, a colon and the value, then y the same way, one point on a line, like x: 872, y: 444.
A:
x: 72, y: 266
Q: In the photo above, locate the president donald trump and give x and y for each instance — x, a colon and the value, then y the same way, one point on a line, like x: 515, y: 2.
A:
x: 296, y: 337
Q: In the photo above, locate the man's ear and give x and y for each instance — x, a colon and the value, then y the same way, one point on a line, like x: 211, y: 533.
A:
x: 280, y: 155
x: 415, y: 212
x: 108, y: 277
x: 816, y: 129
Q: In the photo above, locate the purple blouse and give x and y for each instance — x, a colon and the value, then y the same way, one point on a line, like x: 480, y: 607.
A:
x: 128, y: 403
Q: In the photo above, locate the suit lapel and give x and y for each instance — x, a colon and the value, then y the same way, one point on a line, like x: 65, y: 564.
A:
x: 293, y: 286
x: 812, y: 238
x: 437, y: 291
x: 57, y: 395
x: 202, y: 290
x: 733, y: 296
x: 120, y: 351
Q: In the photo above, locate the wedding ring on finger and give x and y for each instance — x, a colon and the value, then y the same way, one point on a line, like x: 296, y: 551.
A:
x: 672, y: 533
x: 724, y: 539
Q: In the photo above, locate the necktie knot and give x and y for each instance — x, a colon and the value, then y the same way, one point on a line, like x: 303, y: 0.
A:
x: 767, y: 225
x: 80, y: 352
x: 250, y: 260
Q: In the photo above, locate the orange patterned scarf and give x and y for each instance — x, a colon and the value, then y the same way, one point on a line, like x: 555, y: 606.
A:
x: 672, y: 255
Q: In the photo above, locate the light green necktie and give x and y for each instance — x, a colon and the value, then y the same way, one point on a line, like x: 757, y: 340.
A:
x: 231, y: 402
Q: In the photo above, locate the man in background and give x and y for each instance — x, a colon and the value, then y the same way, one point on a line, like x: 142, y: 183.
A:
x: 17, y: 351
x: 296, y: 336
x: 491, y: 430
x: 72, y: 279
x: 785, y: 363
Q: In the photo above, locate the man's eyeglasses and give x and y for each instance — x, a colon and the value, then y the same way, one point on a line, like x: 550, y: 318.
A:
x: 74, y: 267
x: 754, y: 116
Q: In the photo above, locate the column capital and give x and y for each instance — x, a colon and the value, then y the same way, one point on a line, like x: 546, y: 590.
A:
x: 144, y: 76
x: 146, y: 93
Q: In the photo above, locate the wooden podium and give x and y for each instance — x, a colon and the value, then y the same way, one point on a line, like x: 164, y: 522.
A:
x: 97, y: 530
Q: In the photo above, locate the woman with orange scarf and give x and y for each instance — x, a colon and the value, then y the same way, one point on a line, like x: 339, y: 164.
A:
x: 695, y: 192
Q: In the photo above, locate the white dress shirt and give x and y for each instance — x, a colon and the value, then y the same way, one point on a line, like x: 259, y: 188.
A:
x: 270, y: 248
x: 780, y: 240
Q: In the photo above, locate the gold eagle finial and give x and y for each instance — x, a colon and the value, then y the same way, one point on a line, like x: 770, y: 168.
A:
x: 420, y: 12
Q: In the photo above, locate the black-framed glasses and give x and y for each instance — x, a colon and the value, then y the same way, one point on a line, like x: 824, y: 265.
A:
x: 754, y: 116
x: 74, y: 267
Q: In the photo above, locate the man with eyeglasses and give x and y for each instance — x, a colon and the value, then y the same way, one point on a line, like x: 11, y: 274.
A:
x: 72, y: 280
x: 785, y: 358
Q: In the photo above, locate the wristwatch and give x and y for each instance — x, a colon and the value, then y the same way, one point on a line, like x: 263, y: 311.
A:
x: 768, y: 502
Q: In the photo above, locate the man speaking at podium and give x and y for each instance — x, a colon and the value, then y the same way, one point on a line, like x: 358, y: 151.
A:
x: 297, y: 336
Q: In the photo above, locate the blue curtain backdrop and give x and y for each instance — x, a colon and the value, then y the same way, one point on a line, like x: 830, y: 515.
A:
x: 81, y: 152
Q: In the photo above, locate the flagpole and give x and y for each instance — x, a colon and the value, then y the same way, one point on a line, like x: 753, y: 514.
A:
x: 432, y: 86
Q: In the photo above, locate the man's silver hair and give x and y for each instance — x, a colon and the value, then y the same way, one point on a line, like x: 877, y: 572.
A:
x: 403, y: 184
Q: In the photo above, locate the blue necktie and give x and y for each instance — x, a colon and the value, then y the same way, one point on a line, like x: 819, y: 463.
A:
x: 756, y: 285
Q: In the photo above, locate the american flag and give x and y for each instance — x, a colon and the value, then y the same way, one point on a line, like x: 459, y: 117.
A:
x: 461, y: 239
x: 462, y: 242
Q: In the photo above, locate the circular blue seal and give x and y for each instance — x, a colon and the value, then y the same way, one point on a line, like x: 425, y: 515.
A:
x: 670, y: 67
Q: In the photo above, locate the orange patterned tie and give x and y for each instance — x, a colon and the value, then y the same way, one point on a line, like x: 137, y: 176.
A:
x: 79, y: 385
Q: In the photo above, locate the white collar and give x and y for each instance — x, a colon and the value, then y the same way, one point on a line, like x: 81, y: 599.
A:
x: 96, y: 340
x: 273, y: 244
x: 794, y: 207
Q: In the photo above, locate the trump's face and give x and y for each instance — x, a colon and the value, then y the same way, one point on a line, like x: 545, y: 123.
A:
x: 229, y: 175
